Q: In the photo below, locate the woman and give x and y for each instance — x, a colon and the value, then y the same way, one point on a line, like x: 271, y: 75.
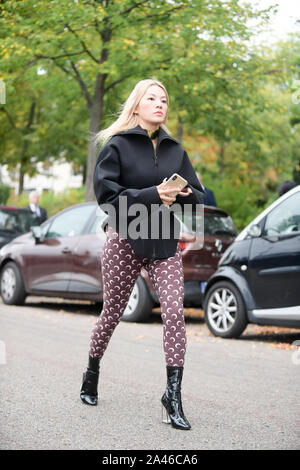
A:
x: 138, y: 156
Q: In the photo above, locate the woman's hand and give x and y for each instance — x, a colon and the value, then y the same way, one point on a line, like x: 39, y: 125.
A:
x: 185, y: 191
x: 168, y: 195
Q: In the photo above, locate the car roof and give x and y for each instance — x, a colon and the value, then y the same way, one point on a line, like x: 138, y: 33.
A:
x: 13, y: 208
x: 8, y: 208
x: 215, y: 210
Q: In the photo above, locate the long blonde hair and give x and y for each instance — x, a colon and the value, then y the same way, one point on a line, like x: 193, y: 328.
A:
x: 127, y: 119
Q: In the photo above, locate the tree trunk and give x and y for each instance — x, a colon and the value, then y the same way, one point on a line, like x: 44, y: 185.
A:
x: 96, y: 113
x: 180, y: 129
x: 222, y: 158
x: 23, y: 164
x: 21, y: 178
x: 83, y: 175
x: 24, y: 158
x: 95, y: 126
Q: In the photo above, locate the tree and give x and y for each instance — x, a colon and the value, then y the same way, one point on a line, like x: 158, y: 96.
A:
x: 41, y: 121
x: 106, y: 45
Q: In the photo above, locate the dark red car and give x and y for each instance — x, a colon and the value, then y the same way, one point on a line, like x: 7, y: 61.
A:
x: 61, y: 258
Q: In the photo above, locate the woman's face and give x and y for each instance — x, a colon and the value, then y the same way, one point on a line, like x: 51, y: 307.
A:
x: 153, y: 108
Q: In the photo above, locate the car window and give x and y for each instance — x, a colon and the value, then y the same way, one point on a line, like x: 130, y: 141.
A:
x: 215, y: 224
x: 45, y: 228
x: 284, y: 218
x: 71, y: 222
x: 16, y: 220
x: 188, y: 223
x: 100, y: 216
x: 7, y: 221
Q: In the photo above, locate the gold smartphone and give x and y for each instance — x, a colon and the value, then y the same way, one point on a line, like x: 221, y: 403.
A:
x: 175, y: 181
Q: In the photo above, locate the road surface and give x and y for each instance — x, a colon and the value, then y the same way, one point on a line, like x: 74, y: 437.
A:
x: 237, y: 394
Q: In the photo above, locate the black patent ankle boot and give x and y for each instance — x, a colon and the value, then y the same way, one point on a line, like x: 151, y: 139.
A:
x: 171, y: 399
x: 88, y: 393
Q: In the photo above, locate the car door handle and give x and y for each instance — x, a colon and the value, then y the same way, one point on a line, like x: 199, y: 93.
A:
x: 66, y: 249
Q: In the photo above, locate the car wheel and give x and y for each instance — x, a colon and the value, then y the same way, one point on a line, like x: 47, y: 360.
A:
x: 140, y: 305
x: 224, y: 309
x: 12, y: 285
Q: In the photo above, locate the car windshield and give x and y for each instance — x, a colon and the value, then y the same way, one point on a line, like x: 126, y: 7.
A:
x: 217, y: 224
x: 16, y: 220
x: 214, y: 224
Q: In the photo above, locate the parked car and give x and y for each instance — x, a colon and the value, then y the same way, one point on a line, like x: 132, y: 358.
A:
x: 258, y: 277
x: 13, y: 222
x: 61, y: 258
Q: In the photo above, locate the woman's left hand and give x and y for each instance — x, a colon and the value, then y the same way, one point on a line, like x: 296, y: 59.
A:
x: 185, y: 192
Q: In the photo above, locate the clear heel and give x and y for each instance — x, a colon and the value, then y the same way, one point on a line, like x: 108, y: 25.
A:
x: 165, y: 415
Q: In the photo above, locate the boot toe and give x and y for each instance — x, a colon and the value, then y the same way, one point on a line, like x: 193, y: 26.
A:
x: 89, y: 400
x: 185, y: 425
x: 180, y: 422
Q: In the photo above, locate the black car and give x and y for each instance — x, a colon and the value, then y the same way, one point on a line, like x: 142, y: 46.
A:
x: 258, y: 276
x: 14, y: 221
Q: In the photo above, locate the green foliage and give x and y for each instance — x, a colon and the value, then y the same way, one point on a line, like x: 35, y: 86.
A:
x: 69, y: 65
x: 239, y: 200
x: 4, y: 193
x: 296, y: 173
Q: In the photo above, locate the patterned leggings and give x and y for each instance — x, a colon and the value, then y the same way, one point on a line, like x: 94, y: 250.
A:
x: 120, y: 270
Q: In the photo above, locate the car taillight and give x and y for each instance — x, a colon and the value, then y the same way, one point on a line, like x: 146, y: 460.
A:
x: 182, y: 245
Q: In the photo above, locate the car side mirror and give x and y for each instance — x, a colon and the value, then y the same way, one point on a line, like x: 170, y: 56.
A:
x: 254, y: 231
x: 37, y: 233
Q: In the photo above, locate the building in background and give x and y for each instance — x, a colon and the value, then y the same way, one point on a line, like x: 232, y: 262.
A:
x: 57, y: 178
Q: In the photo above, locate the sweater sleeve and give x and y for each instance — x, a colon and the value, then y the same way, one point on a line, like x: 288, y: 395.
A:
x: 187, y: 171
x: 107, y: 187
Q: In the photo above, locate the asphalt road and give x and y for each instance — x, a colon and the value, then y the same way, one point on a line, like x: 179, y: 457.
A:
x: 237, y: 394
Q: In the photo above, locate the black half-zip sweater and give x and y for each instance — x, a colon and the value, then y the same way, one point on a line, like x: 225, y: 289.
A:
x: 129, y: 166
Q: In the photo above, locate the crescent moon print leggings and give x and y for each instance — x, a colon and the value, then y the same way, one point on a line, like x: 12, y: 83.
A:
x: 120, y: 270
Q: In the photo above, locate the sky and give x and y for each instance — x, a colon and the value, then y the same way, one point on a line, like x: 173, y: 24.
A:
x: 283, y: 21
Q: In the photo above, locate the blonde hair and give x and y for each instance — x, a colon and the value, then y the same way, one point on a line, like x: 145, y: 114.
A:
x: 127, y: 119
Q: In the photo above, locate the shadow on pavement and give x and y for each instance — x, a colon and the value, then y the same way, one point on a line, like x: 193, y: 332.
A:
x: 65, y: 305
x: 271, y: 334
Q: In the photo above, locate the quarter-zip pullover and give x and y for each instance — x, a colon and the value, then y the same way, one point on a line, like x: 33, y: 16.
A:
x: 129, y: 166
